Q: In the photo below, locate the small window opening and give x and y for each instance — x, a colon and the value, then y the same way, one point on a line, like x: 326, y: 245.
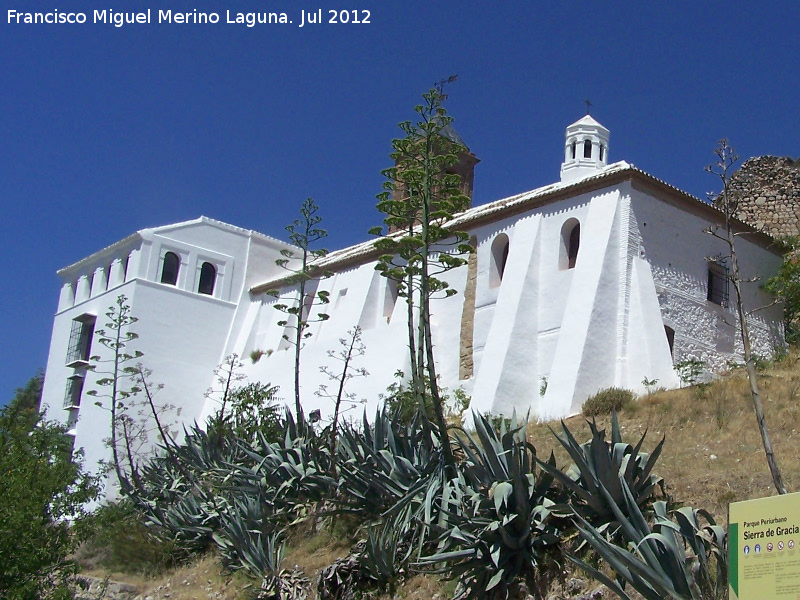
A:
x: 169, y: 271
x: 574, y: 244
x: 80, y: 339
x: 500, y: 247
x: 72, y: 398
x: 574, y: 149
x: 390, y: 299
x: 587, y: 149
x: 208, y: 277
x: 602, y: 151
x: 717, y: 283
x: 570, y: 243
x: 670, y: 339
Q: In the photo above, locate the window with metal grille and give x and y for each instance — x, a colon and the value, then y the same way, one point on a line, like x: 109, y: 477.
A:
x: 72, y: 397
x: 80, y: 339
x: 717, y: 282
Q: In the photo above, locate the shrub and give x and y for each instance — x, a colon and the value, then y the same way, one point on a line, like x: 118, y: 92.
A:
x: 607, y: 401
x: 43, y: 487
x: 689, y: 370
x: 116, y: 538
x: 399, y: 399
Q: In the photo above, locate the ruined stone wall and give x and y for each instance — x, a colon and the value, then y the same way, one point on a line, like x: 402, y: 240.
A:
x: 768, y: 191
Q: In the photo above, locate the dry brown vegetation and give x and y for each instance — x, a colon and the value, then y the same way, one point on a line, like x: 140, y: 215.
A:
x: 713, y: 453
x: 712, y: 456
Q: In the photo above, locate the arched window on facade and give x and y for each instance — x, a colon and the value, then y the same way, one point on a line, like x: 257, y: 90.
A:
x: 587, y: 149
x: 208, y: 277
x: 602, y: 151
x: 169, y: 270
x: 570, y: 242
x: 574, y: 149
x: 500, y: 246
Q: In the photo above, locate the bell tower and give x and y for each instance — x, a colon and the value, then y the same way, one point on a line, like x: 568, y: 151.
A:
x: 464, y: 166
x: 585, y: 149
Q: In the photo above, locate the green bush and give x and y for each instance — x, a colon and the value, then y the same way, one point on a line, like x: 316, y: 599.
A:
x: 115, y: 537
x: 607, y: 401
x: 43, y: 487
x: 399, y: 399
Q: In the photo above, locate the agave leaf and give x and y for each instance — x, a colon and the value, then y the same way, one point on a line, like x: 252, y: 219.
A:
x: 502, y: 491
x: 636, y: 452
x: 571, y: 445
x: 495, y: 554
x: 645, y: 474
x: 646, y: 577
x: 495, y: 580
x: 567, y: 482
x: 616, y: 435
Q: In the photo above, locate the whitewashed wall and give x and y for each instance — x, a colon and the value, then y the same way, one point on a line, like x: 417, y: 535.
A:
x: 182, y: 334
x: 641, y: 265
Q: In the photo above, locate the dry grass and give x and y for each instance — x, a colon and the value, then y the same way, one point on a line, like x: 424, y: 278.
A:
x: 713, y: 453
x: 204, y: 578
x: 312, y: 552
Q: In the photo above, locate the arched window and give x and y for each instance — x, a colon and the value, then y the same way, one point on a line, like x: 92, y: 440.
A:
x: 500, y: 246
x: 574, y: 149
x: 570, y: 242
x: 169, y: 270
x: 602, y: 151
x: 208, y: 277
x: 587, y: 149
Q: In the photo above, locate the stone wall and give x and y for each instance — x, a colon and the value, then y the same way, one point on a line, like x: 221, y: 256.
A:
x: 768, y: 191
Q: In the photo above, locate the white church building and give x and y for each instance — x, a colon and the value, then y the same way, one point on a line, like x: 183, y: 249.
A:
x: 602, y: 279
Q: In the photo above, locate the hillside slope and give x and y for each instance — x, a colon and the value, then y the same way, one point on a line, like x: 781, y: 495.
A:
x: 712, y: 456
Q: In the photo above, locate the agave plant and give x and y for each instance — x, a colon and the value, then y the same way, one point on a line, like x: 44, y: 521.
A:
x: 378, y: 562
x: 289, y: 474
x: 600, y: 468
x: 245, y: 544
x: 707, y: 542
x: 386, y: 553
x: 183, y: 491
x: 500, y: 526
x: 385, y: 462
x: 342, y: 580
x: 681, y: 559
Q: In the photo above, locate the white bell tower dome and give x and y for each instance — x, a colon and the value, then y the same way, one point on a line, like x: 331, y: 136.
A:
x: 585, y: 150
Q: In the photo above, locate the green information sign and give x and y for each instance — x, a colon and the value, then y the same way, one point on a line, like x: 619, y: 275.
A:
x: 764, y: 548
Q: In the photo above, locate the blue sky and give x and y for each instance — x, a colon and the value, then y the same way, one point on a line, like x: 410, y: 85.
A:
x: 106, y: 130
